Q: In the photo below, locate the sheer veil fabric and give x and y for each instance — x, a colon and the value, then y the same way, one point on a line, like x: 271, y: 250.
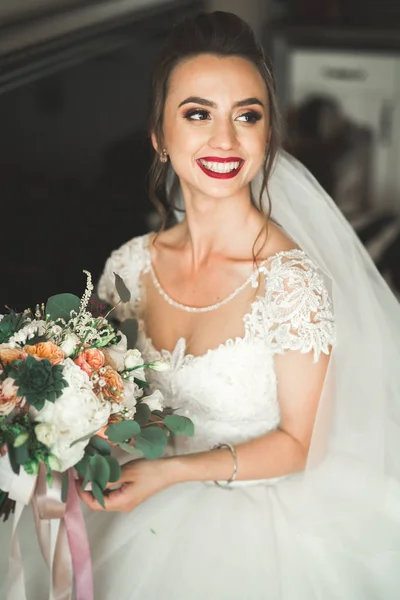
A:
x: 353, y: 468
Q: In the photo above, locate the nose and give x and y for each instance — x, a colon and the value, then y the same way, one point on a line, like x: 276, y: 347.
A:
x: 224, y: 135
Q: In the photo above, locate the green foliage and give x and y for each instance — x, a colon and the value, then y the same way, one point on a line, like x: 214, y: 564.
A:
x: 10, y: 324
x: 38, y: 380
x: 121, y: 288
x: 129, y: 328
x: 179, y: 425
x: 98, y: 493
x: 101, y: 445
x: 131, y: 450
x: 99, y: 470
x: 141, y: 384
x: 61, y: 305
x: 122, y: 431
x: 151, y: 441
x: 115, y: 469
x: 143, y: 414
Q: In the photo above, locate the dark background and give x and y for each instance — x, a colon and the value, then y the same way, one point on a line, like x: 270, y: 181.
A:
x: 74, y: 148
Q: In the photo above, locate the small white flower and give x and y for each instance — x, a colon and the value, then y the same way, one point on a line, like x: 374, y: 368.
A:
x: 69, y: 344
x: 102, y: 382
x: 155, y: 401
x: 159, y: 365
x: 46, y: 433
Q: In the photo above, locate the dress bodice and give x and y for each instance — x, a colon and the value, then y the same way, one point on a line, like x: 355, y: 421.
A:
x: 230, y: 392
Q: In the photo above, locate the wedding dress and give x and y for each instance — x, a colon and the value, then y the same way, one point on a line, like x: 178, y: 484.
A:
x: 331, y: 532
x: 255, y: 540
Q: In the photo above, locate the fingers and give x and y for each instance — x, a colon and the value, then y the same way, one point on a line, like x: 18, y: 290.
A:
x: 115, y: 500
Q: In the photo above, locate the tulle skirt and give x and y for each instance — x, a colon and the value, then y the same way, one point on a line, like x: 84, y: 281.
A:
x: 250, y: 542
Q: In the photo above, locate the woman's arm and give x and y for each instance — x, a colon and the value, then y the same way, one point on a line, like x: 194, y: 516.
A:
x: 281, y: 452
x: 278, y: 453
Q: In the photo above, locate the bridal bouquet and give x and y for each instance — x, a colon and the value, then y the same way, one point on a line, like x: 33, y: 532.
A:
x: 72, y: 386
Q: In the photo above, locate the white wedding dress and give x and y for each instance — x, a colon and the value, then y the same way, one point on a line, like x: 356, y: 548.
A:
x: 254, y: 540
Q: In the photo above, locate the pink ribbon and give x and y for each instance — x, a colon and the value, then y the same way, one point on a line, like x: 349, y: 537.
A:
x: 62, y: 538
x: 78, y: 543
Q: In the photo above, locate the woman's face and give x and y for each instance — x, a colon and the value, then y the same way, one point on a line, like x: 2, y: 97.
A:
x: 216, y: 124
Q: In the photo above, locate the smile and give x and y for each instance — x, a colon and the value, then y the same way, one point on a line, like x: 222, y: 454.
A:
x: 220, y: 168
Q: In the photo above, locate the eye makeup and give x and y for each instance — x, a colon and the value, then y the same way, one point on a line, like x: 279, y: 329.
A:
x: 200, y: 114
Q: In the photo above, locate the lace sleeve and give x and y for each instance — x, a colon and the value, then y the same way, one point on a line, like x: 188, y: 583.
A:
x: 298, y: 310
x: 128, y: 261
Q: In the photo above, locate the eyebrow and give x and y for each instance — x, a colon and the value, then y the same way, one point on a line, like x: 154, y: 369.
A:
x: 205, y: 102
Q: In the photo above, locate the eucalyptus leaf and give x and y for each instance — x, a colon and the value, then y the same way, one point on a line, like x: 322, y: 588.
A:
x: 21, y: 454
x: 98, y: 493
x: 131, y: 449
x: 84, y: 438
x: 12, y: 458
x: 121, y: 288
x: 122, y: 431
x: 101, y: 445
x: 141, y: 384
x: 143, y: 412
x: 179, y: 425
x: 151, y: 441
x: 61, y: 305
x: 115, y: 469
x: 99, y: 470
x: 64, y: 487
x: 129, y: 328
x: 87, y: 478
x: 82, y: 465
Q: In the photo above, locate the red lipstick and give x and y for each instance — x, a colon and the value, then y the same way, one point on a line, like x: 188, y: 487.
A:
x: 218, y: 159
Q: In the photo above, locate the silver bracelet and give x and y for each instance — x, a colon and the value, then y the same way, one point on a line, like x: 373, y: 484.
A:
x: 235, y: 463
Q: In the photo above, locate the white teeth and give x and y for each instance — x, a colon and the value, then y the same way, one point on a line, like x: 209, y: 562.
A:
x: 218, y: 167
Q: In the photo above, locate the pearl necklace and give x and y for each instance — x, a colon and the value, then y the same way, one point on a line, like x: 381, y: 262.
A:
x: 251, y: 279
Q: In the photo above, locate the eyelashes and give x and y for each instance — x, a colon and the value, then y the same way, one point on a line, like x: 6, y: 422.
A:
x: 199, y: 114
x: 196, y: 114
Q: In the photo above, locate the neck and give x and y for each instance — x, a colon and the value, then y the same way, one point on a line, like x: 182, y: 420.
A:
x: 220, y: 227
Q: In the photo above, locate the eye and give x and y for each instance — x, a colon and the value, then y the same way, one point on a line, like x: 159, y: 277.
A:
x: 251, y: 116
x: 197, y: 114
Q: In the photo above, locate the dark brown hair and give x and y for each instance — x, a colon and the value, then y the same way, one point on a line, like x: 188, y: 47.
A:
x: 222, y: 34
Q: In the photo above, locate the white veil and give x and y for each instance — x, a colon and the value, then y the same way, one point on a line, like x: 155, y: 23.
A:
x: 354, y: 461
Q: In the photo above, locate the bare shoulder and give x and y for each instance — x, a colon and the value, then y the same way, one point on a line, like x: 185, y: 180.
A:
x: 278, y: 241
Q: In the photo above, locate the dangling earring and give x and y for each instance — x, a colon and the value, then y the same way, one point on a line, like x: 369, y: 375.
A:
x: 164, y: 156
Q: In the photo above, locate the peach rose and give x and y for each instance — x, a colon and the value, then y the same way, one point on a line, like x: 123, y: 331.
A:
x: 113, y: 388
x: 8, y: 396
x: 46, y: 350
x: 8, y: 355
x: 90, y: 360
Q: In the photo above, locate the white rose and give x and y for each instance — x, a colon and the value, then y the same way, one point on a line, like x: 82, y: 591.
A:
x: 155, y: 401
x: 68, y: 455
x: 116, y: 353
x: 133, y: 358
x: 77, y: 413
x: 46, y: 433
x: 69, y: 344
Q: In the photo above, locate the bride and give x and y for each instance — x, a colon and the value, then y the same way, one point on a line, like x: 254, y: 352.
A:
x: 283, y: 345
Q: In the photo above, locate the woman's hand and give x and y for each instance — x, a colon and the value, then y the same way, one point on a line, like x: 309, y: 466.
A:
x: 139, y: 480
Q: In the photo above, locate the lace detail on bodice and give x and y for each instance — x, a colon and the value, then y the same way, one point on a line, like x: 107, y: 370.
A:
x: 296, y: 312
x: 230, y: 392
